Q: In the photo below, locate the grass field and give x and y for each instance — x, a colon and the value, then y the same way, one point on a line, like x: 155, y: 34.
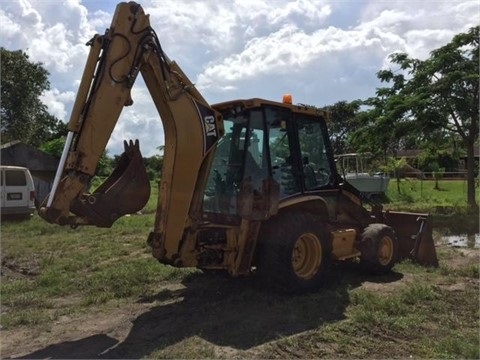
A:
x: 94, y: 293
x: 421, y: 195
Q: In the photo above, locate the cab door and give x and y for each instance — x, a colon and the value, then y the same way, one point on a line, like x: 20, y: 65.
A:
x: 283, y: 156
x: 256, y: 147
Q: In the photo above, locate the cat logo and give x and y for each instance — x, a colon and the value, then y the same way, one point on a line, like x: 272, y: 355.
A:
x: 206, y: 117
x: 210, y: 128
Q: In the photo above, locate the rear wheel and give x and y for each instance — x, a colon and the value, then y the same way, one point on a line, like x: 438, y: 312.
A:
x: 293, y: 253
x: 379, y: 249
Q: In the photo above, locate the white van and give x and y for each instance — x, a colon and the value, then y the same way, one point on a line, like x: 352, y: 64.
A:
x: 17, y: 191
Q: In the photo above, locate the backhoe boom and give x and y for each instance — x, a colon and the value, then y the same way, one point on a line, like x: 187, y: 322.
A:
x: 192, y: 128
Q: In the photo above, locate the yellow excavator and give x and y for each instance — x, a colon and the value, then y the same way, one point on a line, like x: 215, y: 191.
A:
x: 247, y: 186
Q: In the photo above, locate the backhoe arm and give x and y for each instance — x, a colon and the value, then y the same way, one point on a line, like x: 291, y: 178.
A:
x: 191, y: 127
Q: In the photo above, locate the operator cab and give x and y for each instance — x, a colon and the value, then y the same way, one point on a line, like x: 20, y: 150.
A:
x: 268, y: 140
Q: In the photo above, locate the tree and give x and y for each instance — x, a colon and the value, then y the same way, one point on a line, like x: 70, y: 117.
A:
x: 440, y: 95
x: 24, y: 116
x: 374, y: 135
x: 395, y: 167
x: 386, y: 124
x: 343, y: 121
x: 154, y: 164
x: 54, y: 147
x: 105, y: 165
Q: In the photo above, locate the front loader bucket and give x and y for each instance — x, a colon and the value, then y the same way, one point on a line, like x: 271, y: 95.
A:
x: 125, y: 191
x: 414, y: 232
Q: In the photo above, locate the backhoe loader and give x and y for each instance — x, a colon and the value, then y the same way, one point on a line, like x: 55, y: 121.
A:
x: 247, y: 186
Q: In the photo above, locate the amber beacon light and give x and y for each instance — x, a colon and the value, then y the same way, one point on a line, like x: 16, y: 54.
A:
x: 287, y: 99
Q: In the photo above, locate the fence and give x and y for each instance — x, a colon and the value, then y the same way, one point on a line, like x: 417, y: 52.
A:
x: 430, y: 177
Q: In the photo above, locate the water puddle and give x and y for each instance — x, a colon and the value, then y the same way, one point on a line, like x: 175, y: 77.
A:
x: 470, y: 241
x: 460, y: 231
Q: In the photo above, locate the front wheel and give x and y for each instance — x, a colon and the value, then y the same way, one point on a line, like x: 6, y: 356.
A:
x: 293, y: 253
x: 379, y: 246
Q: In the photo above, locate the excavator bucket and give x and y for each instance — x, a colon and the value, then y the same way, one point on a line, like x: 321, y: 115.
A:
x: 414, y: 232
x: 125, y: 191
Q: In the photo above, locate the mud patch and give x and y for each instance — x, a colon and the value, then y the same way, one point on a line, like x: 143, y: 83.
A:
x: 461, y: 257
x: 13, y: 269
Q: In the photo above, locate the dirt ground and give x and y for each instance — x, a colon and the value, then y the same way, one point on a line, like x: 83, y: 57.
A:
x: 196, y: 312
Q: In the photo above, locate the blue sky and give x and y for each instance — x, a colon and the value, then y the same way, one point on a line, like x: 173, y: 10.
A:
x: 320, y: 51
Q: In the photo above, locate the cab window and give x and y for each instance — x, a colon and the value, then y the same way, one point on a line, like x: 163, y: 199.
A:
x: 315, y: 164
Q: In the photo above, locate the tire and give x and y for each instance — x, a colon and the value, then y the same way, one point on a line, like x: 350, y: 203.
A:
x: 379, y: 247
x: 294, y: 253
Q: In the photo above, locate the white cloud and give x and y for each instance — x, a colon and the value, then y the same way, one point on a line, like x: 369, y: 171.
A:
x: 290, y: 51
x: 423, y: 25
x: 320, y: 51
x: 57, y: 102
x: 138, y: 121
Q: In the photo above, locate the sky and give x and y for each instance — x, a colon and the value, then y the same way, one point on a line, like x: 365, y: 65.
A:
x: 320, y: 51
